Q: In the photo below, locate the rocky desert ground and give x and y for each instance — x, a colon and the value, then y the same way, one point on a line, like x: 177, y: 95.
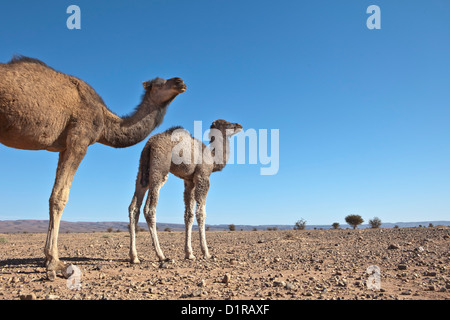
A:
x: 246, y: 265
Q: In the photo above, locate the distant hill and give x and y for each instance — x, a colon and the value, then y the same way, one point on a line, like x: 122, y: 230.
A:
x: 37, y: 226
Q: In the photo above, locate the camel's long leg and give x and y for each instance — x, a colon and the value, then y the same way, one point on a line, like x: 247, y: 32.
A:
x: 134, y: 211
x: 155, y: 183
x: 200, y: 192
x: 189, y: 212
x: 68, y: 163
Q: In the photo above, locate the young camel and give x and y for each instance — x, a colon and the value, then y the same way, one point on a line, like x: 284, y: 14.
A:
x: 177, y: 152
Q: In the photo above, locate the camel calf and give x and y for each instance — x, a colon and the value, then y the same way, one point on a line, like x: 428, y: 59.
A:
x: 177, y: 152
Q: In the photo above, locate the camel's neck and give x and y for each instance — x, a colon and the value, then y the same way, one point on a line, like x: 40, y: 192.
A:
x: 220, y: 152
x: 128, y: 131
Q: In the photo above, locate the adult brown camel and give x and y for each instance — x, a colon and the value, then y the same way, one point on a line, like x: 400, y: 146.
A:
x: 177, y: 152
x: 43, y: 109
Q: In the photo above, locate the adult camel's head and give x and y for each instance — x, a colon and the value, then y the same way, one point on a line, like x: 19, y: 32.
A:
x: 162, y: 91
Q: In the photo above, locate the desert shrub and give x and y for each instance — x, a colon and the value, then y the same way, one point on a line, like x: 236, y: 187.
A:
x: 110, y: 229
x: 3, y: 240
x: 335, y: 225
x: 167, y: 229
x: 375, y: 223
x: 231, y: 227
x: 300, y: 224
x: 354, y: 220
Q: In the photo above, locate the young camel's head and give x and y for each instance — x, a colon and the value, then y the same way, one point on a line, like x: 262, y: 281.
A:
x: 162, y: 91
x: 226, y: 128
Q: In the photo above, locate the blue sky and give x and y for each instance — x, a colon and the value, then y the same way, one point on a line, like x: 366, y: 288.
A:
x: 363, y: 115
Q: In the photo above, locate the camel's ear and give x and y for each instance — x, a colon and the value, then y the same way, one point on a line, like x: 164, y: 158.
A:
x: 147, y: 85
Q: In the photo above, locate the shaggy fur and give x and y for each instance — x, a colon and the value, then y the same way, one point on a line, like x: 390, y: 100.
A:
x: 44, y: 109
x: 158, y: 158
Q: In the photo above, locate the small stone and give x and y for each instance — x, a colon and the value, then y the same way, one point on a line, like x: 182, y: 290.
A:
x: 226, y: 278
x: 28, y: 297
x: 393, y: 246
x: 51, y: 297
x: 342, y: 283
x: 279, y: 284
x: 402, y: 267
x: 289, y: 286
x: 51, y: 275
x: 406, y: 292
x: 430, y: 273
x: 197, y: 293
x: 202, y: 283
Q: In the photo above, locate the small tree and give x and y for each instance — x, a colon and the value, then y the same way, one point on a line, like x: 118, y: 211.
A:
x: 354, y: 220
x: 335, y: 225
x: 110, y: 229
x: 300, y: 224
x: 231, y: 227
x: 375, y: 223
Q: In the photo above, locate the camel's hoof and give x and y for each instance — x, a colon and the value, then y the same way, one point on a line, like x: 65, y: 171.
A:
x: 135, y: 261
x: 207, y: 256
x: 56, y: 265
x: 190, y: 257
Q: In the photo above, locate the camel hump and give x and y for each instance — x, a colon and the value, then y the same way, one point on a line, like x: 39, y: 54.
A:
x: 22, y: 59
